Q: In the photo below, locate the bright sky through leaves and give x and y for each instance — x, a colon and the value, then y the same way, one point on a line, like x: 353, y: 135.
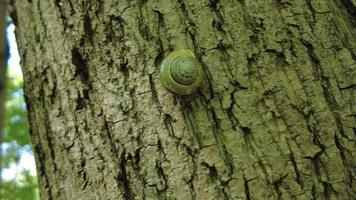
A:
x: 27, y: 160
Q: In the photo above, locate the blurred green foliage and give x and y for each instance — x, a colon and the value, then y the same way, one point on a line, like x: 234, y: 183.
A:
x: 23, y: 188
x: 16, y: 142
x: 16, y: 128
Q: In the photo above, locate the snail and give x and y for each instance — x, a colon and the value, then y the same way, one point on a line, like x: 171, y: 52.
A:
x: 181, y: 72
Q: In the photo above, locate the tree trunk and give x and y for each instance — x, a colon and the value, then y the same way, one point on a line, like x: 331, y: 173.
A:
x: 276, y: 118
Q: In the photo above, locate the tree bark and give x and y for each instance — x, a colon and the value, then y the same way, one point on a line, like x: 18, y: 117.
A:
x: 276, y: 118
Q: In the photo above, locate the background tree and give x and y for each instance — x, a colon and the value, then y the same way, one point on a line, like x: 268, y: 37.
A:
x: 3, y: 53
x: 275, y: 119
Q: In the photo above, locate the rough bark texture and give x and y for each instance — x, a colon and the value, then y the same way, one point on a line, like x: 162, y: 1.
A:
x: 275, y: 120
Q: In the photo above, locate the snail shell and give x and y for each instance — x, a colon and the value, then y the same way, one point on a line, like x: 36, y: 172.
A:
x: 181, y: 72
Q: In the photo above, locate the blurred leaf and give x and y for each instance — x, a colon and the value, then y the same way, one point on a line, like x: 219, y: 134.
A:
x: 24, y: 188
x: 16, y: 128
x: 11, y: 155
x: 16, y: 142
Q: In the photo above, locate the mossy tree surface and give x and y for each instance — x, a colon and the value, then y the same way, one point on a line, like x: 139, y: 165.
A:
x: 276, y: 118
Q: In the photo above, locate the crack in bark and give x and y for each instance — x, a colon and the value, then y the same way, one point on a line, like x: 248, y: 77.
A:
x: 123, y: 178
x: 346, y: 157
x: 350, y: 6
x: 154, y: 93
x: 297, y: 172
x: 277, y: 184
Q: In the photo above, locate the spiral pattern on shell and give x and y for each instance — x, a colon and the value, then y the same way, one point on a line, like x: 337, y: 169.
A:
x: 181, y: 72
